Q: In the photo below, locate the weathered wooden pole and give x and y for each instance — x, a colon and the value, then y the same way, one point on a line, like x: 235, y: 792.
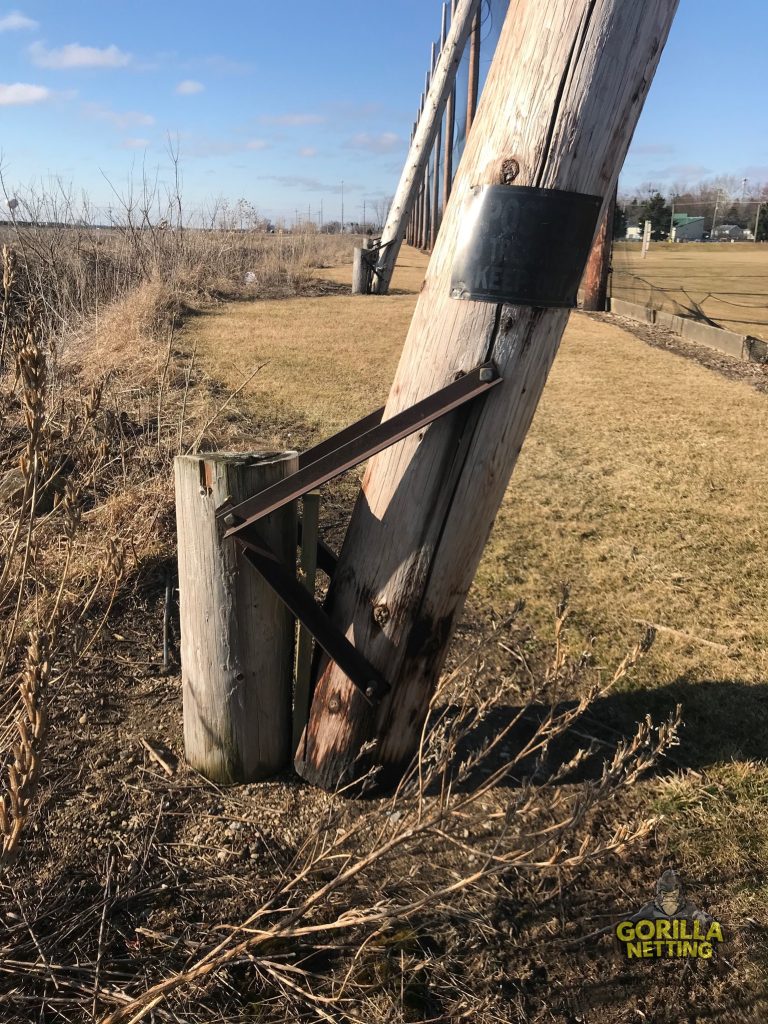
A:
x: 419, y: 218
x: 473, y: 84
x: 427, y: 170
x: 565, y: 90
x: 427, y: 211
x: 413, y: 171
x: 362, y: 268
x: 435, y: 217
x: 360, y: 272
x: 595, y: 283
x: 237, y: 637
x: 450, y: 118
x: 411, y: 215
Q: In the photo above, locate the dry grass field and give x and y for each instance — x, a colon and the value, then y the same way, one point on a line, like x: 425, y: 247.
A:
x: 727, y: 283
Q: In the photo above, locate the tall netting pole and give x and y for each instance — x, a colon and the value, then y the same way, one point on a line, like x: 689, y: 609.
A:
x: 413, y: 172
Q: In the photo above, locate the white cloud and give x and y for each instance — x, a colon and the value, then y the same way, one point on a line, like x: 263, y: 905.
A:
x: 120, y: 119
x: 189, y: 87
x: 386, y: 142
x: 257, y: 144
x: 20, y: 94
x: 14, y: 21
x: 76, y: 56
x: 135, y: 144
x: 307, y: 151
x: 294, y: 120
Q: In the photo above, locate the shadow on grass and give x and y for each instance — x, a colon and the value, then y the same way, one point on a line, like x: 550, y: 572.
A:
x: 722, y: 721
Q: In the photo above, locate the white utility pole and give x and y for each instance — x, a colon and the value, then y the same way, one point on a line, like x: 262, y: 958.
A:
x: 440, y: 86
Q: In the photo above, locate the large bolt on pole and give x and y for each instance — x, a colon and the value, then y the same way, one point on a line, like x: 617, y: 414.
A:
x: 415, y: 165
x: 558, y: 111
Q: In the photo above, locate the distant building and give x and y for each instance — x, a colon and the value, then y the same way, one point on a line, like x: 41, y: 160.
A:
x: 634, y: 234
x: 728, y: 233
x: 687, y: 229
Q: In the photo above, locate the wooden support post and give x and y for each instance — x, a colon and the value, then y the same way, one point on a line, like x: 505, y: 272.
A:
x: 236, y: 635
x: 435, y: 218
x: 419, y: 204
x: 310, y: 516
x: 427, y: 212
x: 428, y: 503
x: 409, y: 227
x: 450, y: 119
x: 595, y: 283
x: 473, y: 86
x: 361, y: 271
x: 427, y: 201
x: 423, y: 201
x: 413, y: 171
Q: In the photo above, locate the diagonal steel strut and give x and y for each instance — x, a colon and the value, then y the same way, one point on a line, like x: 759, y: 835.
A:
x: 355, y: 444
x: 352, y: 663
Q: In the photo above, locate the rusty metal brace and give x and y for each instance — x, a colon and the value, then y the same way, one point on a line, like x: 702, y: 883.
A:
x: 297, y: 598
x: 354, y: 445
x: 318, y: 465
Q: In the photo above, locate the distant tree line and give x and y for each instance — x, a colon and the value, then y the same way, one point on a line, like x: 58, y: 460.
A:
x: 724, y: 200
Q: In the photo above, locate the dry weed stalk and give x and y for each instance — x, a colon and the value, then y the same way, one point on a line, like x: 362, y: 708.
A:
x: 42, y: 625
x: 454, y: 830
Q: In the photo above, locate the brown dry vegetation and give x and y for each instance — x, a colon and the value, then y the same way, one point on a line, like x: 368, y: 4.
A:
x: 485, y: 900
x: 727, y: 284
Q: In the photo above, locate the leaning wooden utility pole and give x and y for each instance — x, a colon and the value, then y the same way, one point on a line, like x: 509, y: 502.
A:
x: 416, y: 162
x: 557, y: 113
x: 595, y: 283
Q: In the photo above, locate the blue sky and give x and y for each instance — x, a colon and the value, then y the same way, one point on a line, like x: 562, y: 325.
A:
x: 278, y: 103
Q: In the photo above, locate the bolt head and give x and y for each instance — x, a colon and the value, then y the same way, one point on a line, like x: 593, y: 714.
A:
x: 486, y: 374
x: 370, y: 691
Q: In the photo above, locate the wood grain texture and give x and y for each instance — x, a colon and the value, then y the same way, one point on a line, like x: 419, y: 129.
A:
x: 560, y: 105
x: 237, y: 637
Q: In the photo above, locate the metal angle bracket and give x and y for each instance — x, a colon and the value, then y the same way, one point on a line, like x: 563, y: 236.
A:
x: 356, y: 444
x: 297, y: 598
x: 317, y: 466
